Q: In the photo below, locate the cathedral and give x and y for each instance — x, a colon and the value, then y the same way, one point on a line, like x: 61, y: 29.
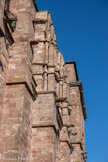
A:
x: 42, y: 108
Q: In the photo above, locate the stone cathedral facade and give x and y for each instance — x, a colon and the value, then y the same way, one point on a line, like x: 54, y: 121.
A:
x: 42, y: 109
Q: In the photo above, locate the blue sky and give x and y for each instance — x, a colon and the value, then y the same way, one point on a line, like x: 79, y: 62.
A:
x: 81, y: 27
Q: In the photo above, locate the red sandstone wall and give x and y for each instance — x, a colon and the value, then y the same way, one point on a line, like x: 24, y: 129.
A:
x: 20, y: 92
x: 43, y: 123
x: 77, y: 115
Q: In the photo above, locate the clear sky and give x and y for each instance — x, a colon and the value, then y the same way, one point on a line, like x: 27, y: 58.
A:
x: 81, y: 27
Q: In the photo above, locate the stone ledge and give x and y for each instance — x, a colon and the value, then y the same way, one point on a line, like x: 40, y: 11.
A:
x: 78, y: 142
x: 35, y: 42
x: 69, y: 143
x: 44, y: 64
x: 32, y: 91
x: 39, y: 21
x: 58, y: 99
x: 47, y: 92
x: 46, y: 126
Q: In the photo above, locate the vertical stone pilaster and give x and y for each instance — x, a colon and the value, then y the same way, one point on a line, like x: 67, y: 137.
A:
x: 20, y: 87
x: 77, y: 115
x: 4, y: 57
x: 47, y: 121
x: 63, y: 105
